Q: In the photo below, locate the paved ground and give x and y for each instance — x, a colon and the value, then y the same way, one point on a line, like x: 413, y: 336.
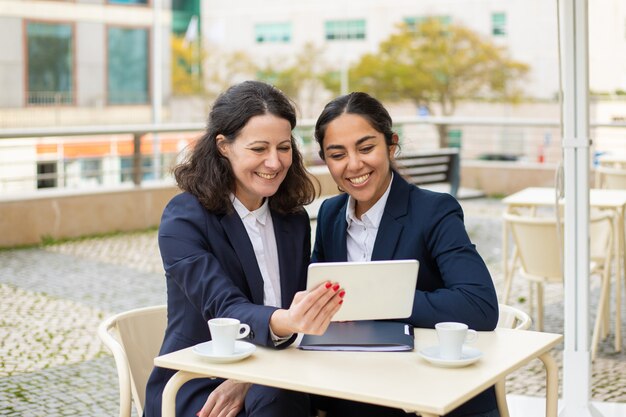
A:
x: 52, y: 363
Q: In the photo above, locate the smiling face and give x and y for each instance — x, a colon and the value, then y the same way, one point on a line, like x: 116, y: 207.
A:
x: 358, y: 159
x: 260, y: 157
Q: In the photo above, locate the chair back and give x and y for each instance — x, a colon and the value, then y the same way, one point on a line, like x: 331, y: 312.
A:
x: 513, y: 318
x: 612, y: 178
x: 538, y: 245
x: 134, y: 337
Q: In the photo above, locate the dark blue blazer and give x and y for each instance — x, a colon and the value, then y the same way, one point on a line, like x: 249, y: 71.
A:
x: 453, y: 281
x: 211, y: 271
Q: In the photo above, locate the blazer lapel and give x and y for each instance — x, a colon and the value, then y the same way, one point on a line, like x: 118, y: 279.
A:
x: 238, y: 237
x: 390, y: 228
x: 286, y: 263
x: 339, y: 235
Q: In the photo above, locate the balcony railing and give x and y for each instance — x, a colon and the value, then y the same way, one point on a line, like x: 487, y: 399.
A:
x: 105, y: 156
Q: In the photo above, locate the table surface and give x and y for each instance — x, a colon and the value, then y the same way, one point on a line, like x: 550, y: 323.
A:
x: 544, y: 196
x: 395, y: 379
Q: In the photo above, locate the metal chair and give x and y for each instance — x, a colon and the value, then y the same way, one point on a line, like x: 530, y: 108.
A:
x: 134, y: 337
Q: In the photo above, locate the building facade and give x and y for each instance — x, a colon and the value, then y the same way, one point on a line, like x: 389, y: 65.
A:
x: 345, y: 29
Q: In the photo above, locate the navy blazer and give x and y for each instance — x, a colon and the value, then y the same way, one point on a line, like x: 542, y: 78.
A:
x: 453, y: 282
x: 211, y: 271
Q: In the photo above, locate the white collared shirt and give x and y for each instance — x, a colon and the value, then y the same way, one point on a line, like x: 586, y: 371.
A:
x: 258, y: 224
x: 361, y: 233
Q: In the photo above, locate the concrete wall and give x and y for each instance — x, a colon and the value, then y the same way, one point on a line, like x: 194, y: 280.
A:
x: 71, y: 214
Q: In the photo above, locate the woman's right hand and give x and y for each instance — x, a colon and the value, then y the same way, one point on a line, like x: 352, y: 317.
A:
x: 310, y: 311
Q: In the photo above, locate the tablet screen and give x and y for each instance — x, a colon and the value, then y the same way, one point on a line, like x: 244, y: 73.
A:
x: 375, y: 290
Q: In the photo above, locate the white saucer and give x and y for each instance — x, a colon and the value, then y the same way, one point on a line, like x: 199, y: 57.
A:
x: 469, y: 355
x: 242, y: 351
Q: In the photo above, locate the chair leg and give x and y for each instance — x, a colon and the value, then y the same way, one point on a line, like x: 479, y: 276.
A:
x: 539, y: 306
x: 604, y: 295
x: 503, y: 407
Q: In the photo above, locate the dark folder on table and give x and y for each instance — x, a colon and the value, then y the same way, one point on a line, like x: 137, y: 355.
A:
x: 367, y: 335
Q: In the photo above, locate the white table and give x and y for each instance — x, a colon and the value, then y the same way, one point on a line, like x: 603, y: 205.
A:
x: 614, y: 200
x: 394, y: 379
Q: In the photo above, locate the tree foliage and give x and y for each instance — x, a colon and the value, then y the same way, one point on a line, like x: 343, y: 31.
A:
x: 438, y: 64
x: 186, y: 65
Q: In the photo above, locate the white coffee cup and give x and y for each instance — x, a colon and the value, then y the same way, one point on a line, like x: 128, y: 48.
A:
x: 451, y: 336
x: 224, y: 332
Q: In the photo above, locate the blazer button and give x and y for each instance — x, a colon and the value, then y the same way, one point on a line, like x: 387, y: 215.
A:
x: 251, y: 335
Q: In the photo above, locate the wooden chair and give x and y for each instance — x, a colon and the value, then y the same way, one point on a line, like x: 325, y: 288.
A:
x: 134, y: 337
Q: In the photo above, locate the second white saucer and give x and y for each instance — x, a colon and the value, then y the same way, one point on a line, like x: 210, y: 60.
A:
x: 469, y: 355
x: 242, y: 351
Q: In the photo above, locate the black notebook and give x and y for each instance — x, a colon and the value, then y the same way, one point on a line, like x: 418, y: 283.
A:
x: 367, y: 335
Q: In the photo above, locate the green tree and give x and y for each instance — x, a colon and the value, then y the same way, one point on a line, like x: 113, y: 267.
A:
x: 186, y: 64
x: 435, y: 65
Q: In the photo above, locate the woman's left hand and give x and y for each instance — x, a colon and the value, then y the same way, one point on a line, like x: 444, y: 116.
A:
x: 226, y: 400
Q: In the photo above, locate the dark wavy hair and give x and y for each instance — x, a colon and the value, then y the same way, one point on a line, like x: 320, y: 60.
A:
x: 358, y: 103
x: 208, y: 175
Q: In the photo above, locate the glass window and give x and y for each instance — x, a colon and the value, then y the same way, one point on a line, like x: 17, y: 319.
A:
x: 46, y: 174
x: 498, y: 24
x: 414, y: 21
x: 50, y: 63
x: 91, y: 171
x: 127, y: 66
x: 272, y: 32
x: 126, y: 168
x: 345, y: 29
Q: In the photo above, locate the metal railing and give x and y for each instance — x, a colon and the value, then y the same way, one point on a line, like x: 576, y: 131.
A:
x: 35, y: 158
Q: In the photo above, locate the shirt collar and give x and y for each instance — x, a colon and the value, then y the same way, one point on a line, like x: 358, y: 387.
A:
x: 375, y: 214
x: 260, y: 214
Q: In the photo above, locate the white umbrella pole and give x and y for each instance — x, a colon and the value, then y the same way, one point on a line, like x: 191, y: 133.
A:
x: 575, y: 84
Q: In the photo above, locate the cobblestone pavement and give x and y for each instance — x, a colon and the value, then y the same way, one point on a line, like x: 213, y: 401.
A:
x: 53, y: 364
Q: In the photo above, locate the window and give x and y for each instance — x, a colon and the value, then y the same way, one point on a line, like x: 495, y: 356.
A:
x: 46, y: 174
x: 272, y: 32
x: 127, y: 66
x: 91, y: 171
x: 498, y: 24
x: 126, y: 168
x: 50, y: 63
x: 345, y: 29
x: 415, y: 21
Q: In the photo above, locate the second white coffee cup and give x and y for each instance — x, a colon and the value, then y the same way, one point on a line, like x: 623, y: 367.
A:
x: 224, y: 332
x: 451, y: 336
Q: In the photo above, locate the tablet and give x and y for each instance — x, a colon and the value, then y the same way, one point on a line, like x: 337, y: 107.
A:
x: 374, y: 290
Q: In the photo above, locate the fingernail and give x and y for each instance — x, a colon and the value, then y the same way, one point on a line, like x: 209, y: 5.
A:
x: 198, y: 413
x: 335, y: 287
x: 328, y: 284
x: 342, y: 293
x: 340, y: 301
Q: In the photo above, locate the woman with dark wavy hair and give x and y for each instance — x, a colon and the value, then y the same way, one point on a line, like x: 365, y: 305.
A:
x: 236, y: 243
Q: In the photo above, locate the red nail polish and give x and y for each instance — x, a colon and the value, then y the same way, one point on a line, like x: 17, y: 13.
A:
x: 342, y: 293
x: 335, y: 287
x: 328, y: 284
x: 340, y: 301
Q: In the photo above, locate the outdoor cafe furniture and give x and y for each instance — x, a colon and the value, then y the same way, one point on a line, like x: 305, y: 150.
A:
x: 394, y: 379
x: 534, y: 198
x: 539, y: 245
